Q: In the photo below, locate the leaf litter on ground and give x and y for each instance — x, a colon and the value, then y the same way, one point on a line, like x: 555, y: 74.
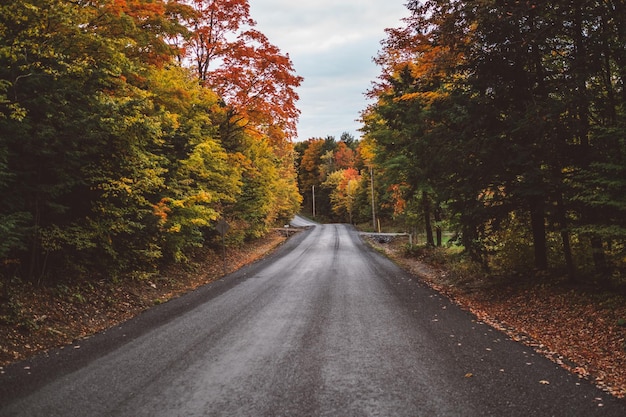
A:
x: 576, y: 327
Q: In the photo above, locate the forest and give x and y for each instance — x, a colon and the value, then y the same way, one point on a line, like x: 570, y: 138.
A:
x: 495, y: 134
x: 129, y: 128
x: 495, y: 126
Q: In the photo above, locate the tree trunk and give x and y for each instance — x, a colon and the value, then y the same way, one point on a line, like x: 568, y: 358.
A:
x: 538, y: 225
x: 567, y: 246
x: 580, y: 79
x: 618, y: 15
x: 599, y: 258
x: 430, y: 240
x: 438, y: 230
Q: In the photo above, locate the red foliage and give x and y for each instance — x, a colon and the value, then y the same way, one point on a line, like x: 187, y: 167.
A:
x: 242, y: 66
x: 344, y: 156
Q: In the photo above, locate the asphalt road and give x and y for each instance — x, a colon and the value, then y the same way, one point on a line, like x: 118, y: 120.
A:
x: 324, y: 327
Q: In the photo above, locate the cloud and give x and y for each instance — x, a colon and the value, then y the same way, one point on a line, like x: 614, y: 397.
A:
x: 318, y: 25
x: 331, y: 44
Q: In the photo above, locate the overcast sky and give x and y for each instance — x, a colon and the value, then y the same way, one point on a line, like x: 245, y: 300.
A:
x: 331, y: 44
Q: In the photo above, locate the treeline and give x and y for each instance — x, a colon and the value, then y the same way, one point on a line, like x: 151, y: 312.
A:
x: 505, y: 122
x: 128, y: 128
x: 329, y: 172
x: 339, y: 176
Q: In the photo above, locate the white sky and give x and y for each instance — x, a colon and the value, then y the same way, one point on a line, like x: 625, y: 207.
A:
x: 331, y: 44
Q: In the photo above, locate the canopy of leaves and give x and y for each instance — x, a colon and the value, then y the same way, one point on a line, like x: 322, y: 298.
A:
x: 113, y: 158
x: 238, y: 62
x: 509, y: 113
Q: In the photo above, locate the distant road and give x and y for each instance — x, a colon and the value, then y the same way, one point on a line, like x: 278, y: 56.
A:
x: 300, y: 221
x: 324, y: 327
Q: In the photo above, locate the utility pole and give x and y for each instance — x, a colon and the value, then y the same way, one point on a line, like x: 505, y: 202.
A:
x: 313, y: 192
x: 372, y: 187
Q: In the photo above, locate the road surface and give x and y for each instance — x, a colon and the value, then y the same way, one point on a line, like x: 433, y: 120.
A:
x: 323, y: 327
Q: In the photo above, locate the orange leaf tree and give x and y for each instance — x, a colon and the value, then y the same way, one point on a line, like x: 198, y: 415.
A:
x: 251, y: 75
x: 257, y: 85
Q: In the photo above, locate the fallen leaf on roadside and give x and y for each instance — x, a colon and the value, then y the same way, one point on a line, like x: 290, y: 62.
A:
x: 580, y: 329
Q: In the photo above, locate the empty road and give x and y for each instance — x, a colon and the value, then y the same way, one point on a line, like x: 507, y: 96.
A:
x: 323, y: 327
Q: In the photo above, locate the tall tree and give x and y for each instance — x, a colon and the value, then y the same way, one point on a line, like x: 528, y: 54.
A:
x: 252, y: 76
x: 344, y: 185
x: 506, y: 111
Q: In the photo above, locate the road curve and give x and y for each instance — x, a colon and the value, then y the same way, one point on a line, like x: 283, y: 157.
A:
x: 324, y: 327
x: 299, y: 221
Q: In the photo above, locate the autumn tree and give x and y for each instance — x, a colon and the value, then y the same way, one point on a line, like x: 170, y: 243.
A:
x: 113, y: 158
x: 310, y: 161
x: 201, y: 178
x: 320, y: 160
x: 256, y: 84
x: 238, y: 62
x: 344, y: 156
x: 344, y: 185
x: 502, y: 112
